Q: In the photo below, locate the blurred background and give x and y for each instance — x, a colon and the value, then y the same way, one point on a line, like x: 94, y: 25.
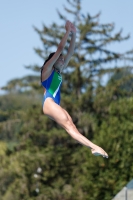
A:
x: 38, y: 158
x: 17, y: 20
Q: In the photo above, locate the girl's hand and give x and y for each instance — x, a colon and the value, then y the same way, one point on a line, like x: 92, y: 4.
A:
x: 68, y: 26
x: 73, y: 29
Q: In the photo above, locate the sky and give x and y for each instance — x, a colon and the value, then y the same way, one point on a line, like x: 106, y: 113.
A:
x: 18, y: 37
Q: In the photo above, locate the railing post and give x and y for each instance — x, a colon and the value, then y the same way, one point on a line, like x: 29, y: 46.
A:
x: 126, y: 198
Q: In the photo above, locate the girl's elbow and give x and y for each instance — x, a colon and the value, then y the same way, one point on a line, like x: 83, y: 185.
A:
x: 70, y: 53
x: 60, y: 47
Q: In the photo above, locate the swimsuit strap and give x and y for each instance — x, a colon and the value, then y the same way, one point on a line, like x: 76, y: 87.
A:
x: 57, y: 70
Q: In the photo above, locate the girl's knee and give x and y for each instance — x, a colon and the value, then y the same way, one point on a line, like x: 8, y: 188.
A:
x: 69, y: 124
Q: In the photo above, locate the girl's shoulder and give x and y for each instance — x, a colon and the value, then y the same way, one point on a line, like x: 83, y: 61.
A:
x: 46, y: 74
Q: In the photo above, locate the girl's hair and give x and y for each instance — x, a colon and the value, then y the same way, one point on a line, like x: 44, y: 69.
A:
x: 50, y: 56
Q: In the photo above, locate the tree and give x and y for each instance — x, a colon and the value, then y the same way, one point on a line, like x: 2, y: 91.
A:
x: 92, y: 61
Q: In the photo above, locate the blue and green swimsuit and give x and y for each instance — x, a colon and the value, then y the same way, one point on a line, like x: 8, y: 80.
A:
x: 52, y: 86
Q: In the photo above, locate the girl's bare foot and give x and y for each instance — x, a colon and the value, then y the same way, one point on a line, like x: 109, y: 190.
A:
x: 98, y: 151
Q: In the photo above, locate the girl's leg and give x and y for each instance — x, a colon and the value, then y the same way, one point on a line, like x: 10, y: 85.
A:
x: 58, y: 114
x: 94, y: 151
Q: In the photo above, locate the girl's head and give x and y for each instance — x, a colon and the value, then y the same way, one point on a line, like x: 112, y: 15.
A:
x: 58, y: 64
x: 50, y: 56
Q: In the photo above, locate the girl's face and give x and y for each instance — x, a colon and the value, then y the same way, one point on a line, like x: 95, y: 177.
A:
x: 60, y: 62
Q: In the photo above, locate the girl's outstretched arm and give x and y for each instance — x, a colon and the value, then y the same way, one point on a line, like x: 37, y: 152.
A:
x: 71, y: 46
x: 48, y: 66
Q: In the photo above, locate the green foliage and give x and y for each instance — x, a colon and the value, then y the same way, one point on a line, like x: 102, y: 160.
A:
x: 39, y: 160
